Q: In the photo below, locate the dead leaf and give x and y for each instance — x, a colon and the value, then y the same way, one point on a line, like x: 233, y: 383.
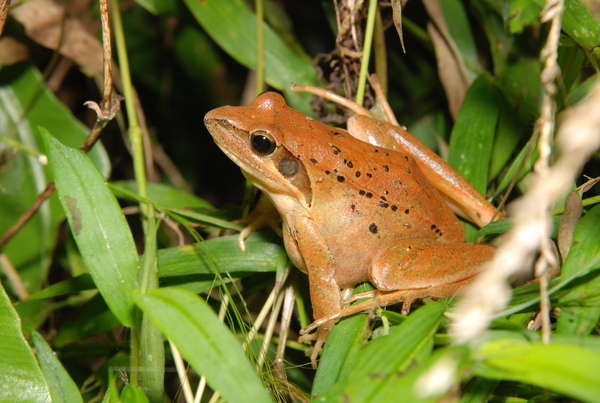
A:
x: 449, y: 72
x: 42, y: 20
x: 12, y: 51
x: 397, y: 17
x: 568, y: 222
x: 452, y: 70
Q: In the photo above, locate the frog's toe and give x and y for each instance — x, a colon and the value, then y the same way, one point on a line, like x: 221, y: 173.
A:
x: 307, y: 337
x: 315, y: 353
x: 242, y: 237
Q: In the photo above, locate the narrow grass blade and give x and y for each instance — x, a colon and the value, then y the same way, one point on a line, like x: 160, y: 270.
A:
x: 22, y: 379
x: 570, y: 370
x: 62, y: 387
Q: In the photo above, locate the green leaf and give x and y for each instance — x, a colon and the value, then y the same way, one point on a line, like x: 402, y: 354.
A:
x: 204, y: 259
x: 496, y: 227
x: 459, y: 29
x: 522, y: 13
x: 98, y: 226
x: 222, y: 255
x: 129, y: 394
x: 206, y: 343
x: 22, y: 378
x: 166, y: 195
x: 570, y: 370
x: 62, y: 386
x: 70, y: 286
x: 579, y: 23
x: 473, y: 133
x: 472, y: 137
x: 207, y: 216
x: 158, y: 7
x: 375, y: 375
x: 340, y: 353
x: 25, y: 102
x: 233, y: 26
x: 478, y: 390
x: 151, y: 353
x: 515, y: 167
x: 578, y: 316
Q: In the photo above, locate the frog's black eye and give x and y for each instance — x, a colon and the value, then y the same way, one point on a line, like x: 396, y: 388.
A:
x: 262, y: 142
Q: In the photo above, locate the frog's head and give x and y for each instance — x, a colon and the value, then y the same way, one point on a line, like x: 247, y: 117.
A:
x: 263, y: 139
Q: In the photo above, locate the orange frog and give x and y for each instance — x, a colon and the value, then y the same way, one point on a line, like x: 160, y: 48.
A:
x: 353, y: 211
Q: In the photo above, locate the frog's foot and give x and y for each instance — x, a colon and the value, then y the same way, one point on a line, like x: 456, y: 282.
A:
x: 376, y: 299
x: 316, y: 324
x: 319, y: 336
x: 263, y: 215
x: 307, y: 337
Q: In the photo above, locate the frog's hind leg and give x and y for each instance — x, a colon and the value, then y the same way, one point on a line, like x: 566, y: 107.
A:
x: 440, y: 268
x: 416, y: 268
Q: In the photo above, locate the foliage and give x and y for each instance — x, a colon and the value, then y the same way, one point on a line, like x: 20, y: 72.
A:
x: 129, y: 249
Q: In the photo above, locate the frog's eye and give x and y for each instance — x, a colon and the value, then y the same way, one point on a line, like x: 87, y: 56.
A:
x: 262, y: 142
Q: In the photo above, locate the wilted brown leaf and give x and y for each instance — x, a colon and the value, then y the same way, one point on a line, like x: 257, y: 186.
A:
x: 43, y: 24
x: 12, y: 51
x: 451, y: 66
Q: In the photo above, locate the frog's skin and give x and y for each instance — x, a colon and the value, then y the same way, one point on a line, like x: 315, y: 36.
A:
x: 351, y: 211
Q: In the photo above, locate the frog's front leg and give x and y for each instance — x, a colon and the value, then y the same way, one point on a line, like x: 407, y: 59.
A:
x: 302, y: 234
x: 325, y: 299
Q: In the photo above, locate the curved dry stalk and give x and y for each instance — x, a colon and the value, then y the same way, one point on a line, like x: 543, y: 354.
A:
x: 546, y: 123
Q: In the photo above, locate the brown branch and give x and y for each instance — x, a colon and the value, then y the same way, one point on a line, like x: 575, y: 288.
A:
x: 4, y: 6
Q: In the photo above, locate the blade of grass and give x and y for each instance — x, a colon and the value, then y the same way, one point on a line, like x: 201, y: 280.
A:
x: 570, y: 370
x: 472, y: 137
x: 22, y: 379
x: 62, y: 387
x: 340, y: 353
x: 204, y: 342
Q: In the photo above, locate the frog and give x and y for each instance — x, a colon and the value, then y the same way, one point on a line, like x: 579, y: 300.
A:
x: 352, y: 211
